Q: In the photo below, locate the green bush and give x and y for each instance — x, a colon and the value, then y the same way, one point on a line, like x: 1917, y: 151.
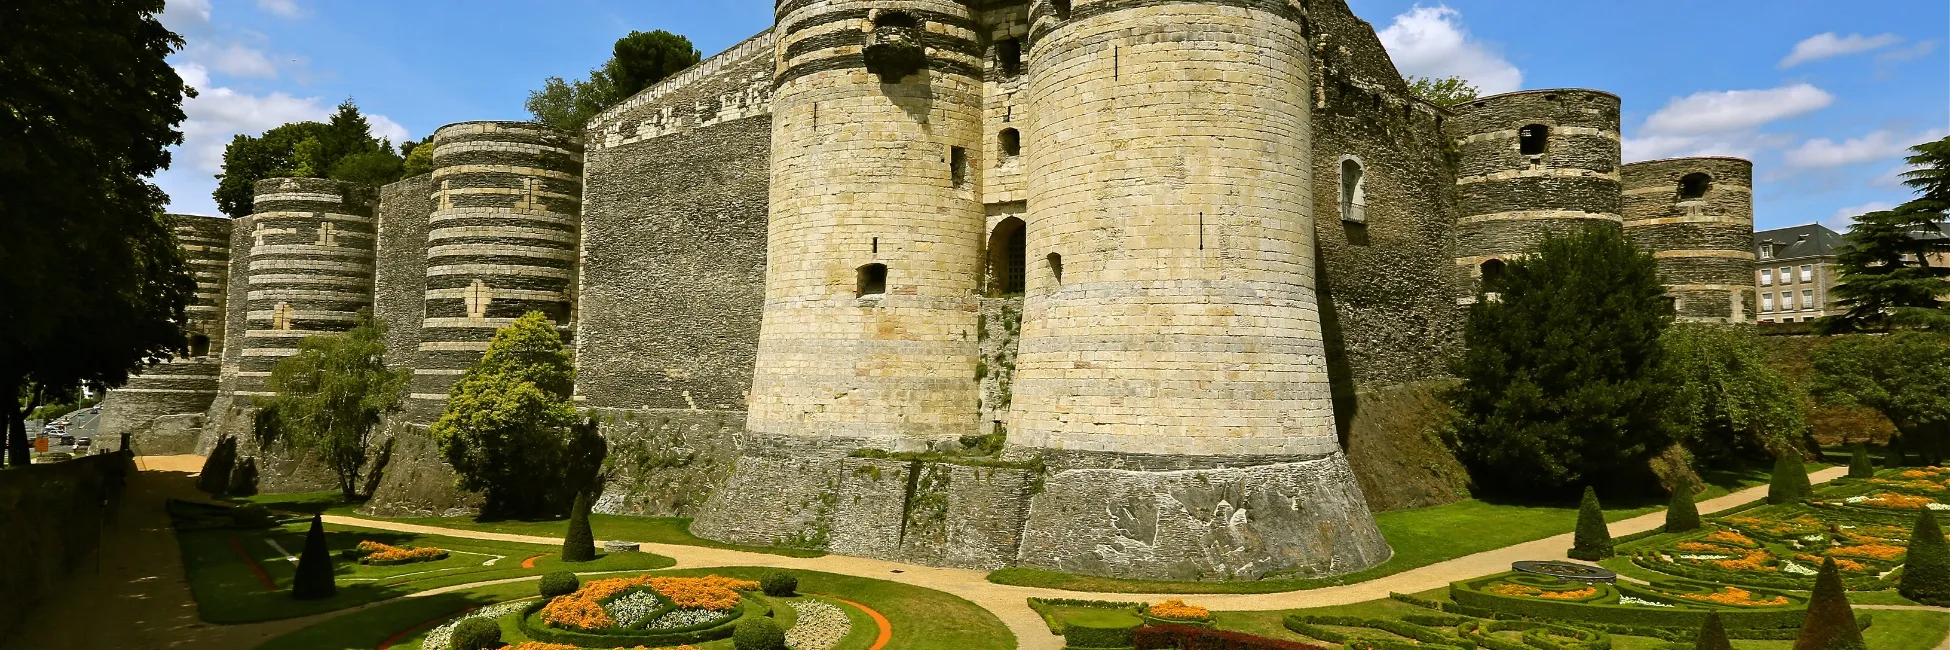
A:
x: 1713, y: 635
x: 314, y: 579
x: 758, y: 633
x: 579, y: 545
x: 1830, y: 623
x: 1790, y: 481
x: 1683, y: 514
x: 1593, y: 539
x: 1090, y: 636
x: 1162, y: 637
x: 1858, y: 463
x: 558, y: 583
x: 1926, y: 569
x: 477, y: 634
x: 779, y: 584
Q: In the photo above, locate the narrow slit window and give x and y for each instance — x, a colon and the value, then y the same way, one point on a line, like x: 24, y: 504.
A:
x: 1694, y: 185
x: 1008, y: 56
x: 872, y: 280
x: 1011, y: 143
x: 1534, y: 139
x: 1056, y: 267
x: 1354, y: 202
x: 958, y: 166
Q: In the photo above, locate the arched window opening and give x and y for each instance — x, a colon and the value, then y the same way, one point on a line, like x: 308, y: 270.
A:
x: 895, y: 19
x: 1061, y: 7
x: 1492, y: 274
x: 1008, y: 56
x: 1056, y: 267
x: 199, y: 345
x: 1011, y: 141
x: 872, y: 281
x: 1008, y: 257
x: 1534, y: 139
x: 1694, y: 185
x: 1354, y: 201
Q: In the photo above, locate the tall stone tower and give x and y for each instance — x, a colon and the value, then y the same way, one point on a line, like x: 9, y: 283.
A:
x: 309, y: 273
x: 1697, y: 214
x: 868, y: 337
x: 185, y: 385
x: 1532, y: 162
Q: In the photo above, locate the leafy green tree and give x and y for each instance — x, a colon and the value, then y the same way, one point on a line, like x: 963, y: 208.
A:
x: 1682, y: 514
x: 1563, y: 376
x: 419, y: 159
x: 305, y: 150
x: 1830, y: 624
x: 1926, y: 567
x: 1903, y: 375
x: 330, y: 396
x: 1858, y: 463
x: 370, y: 168
x: 1730, y: 404
x: 1447, y: 91
x: 1592, y: 541
x: 579, y: 545
x: 639, y: 60
x: 94, y: 282
x: 1713, y: 634
x: 314, y: 579
x: 1790, y: 480
x: 509, y: 430
x: 1887, y: 280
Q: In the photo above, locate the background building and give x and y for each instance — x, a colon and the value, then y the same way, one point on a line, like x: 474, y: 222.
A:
x: 1794, y: 270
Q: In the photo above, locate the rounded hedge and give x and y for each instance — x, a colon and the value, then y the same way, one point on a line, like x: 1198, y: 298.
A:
x: 558, y: 583
x: 779, y: 584
x: 758, y: 633
x: 477, y: 634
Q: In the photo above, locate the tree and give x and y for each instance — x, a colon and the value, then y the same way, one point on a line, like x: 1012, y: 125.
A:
x: 314, y: 579
x: 1830, y: 624
x: 1563, y: 374
x: 1447, y: 91
x: 1713, y: 634
x: 509, y: 430
x: 1790, y: 480
x: 1926, y: 568
x: 639, y: 60
x: 1887, y: 279
x: 1903, y: 375
x: 1682, y: 515
x: 419, y: 159
x: 341, y: 148
x: 1592, y: 541
x: 1858, y: 463
x: 93, y: 279
x: 330, y: 396
x: 1730, y: 403
x: 579, y: 545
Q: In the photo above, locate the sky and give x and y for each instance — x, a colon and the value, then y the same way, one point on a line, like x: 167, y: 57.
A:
x: 1823, y: 97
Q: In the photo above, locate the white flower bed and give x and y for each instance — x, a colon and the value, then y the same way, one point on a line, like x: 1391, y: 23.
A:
x: 1628, y: 600
x: 633, y: 608
x: 1704, y: 556
x: 1937, y: 506
x: 1855, y: 499
x: 1796, y: 569
x: 439, y: 637
x: 688, y: 617
x: 821, y: 626
x: 1812, y: 537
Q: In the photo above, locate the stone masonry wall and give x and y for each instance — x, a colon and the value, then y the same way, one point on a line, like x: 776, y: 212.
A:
x: 399, y: 276
x: 666, y: 462
x: 1704, y: 241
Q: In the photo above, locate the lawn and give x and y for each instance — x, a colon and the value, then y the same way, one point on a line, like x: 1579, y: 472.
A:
x: 657, y: 530
x: 922, y: 619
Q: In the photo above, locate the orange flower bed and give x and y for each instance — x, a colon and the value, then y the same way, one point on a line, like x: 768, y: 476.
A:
x: 1877, y: 551
x: 378, y: 552
x: 538, y: 645
x: 1840, y: 563
x: 1731, y: 537
x: 1752, y: 561
x: 1513, y: 589
x: 715, y: 593
x: 1177, y: 609
x: 1799, y: 524
x: 583, y: 609
x: 1893, y: 500
x: 1705, y: 547
x: 1735, y: 596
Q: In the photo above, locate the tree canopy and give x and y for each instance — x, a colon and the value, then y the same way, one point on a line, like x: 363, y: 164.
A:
x: 1447, y: 91
x: 1730, y: 404
x: 329, y: 397
x: 340, y: 148
x: 1888, y: 279
x: 93, y: 279
x: 638, y: 61
x: 1904, y: 375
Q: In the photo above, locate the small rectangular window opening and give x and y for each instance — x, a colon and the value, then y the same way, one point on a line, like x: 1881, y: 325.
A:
x: 1010, y: 141
x: 958, y: 166
x: 872, y: 280
x: 1056, y: 267
x: 1008, y: 56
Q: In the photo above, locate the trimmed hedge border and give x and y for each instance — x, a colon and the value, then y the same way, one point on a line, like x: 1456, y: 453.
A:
x: 1621, y: 614
x: 1172, y: 637
x: 1424, y: 637
x: 530, y: 624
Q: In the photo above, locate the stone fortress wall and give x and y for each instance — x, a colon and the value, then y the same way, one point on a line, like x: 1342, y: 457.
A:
x: 1186, y: 260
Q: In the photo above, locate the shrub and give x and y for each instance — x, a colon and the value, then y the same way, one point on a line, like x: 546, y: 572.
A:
x: 1593, y: 539
x: 1730, y: 404
x: 1830, y: 624
x: 1167, y: 637
x: 1077, y: 635
x: 1713, y: 635
x: 215, y: 477
x: 314, y: 579
x: 1790, y: 482
x: 758, y: 633
x: 1926, y: 571
x: 1683, y: 514
x: 243, y: 479
x: 558, y: 583
x: 1858, y: 463
x: 779, y: 583
x: 579, y: 545
x: 477, y: 634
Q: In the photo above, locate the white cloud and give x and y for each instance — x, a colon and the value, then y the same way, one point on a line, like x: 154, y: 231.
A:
x: 385, y: 127
x: 185, y: 16
x: 284, y: 8
x: 1739, y: 144
x: 1845, y: 217
x: 217, y: 113
x: 235, y: 59
x: 1828, y: 46
x: 1431, y: 42
x: 1822, y: 153
x: 1916, y: 50
x: 1724, y: 111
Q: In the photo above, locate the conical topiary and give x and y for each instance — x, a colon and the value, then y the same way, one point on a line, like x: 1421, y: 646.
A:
x: 1713, y: 635
x: 1830, y: 624
x: 1593, y: 540
x: 1683, y: 514
x: 1926, y: 570
x: 314, y: 579
x: 1790, y: 482
x: 1858, y: 463
x: 579, y: 545
x: 215, y: 477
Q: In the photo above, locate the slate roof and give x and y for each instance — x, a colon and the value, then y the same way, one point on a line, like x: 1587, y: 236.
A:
x: 1799, y: 242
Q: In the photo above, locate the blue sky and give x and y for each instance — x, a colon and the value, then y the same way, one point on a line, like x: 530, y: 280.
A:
x: 1824, y: 100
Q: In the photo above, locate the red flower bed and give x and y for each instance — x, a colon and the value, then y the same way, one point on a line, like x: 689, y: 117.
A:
x: 1185, y: 637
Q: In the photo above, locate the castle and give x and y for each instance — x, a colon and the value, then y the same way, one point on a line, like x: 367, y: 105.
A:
x: 1171, y: 252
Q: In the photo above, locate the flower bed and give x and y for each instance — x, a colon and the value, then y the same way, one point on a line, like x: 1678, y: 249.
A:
x: 1176, y: 612
x: 645, y: 610
x: 1674, y: 604
x: 378, y: 554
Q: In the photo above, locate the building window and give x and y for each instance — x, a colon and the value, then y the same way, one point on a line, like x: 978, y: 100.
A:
x: 1767, y: 302
x: 199, y: 345
x: 1787, y: 275
x: 958, y: 166
x: 1492, y: 271
x: 1807, y: 299
x: 1056, y: 267
x: 1008, y: 254
x: 1011, y: 143
x: 1354, y: 200
x: 1008, y: 56
x: 1787, y: 301
x: 872, y: 280
x: 1807, y: 273
x: 1694, y: 185
x: 1533, y: 140
x: 281, y: 316
x: 1061, y: 7
x: 1767, y: 277
x: 1767, y: 251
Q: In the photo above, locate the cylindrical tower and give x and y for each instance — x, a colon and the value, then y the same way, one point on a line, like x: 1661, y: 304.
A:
x: 187, y: 384
x: 1697, y: 216
x: 502, y: 241
x: 1532, y: 162
x: 868, y: 337
x: 310, y: 269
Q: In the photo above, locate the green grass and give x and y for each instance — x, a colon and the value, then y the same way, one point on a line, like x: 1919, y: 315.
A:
x: 922, y: 619
x: 227, y: 591
x: 658, y: 530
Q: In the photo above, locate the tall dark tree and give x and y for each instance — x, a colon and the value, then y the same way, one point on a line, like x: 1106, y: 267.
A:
x: 1858, y: 463
x: 342, y: 148
x: 1903, y: 375
x: 93, y: 280
x: 1789, y: 483
x: 579, y: 544
x: 642, y: 59
x: 1563, y: 376
x: 1713, y: 634
x: 1888, y: 279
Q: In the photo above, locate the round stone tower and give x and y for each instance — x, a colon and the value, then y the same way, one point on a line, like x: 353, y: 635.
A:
x: 501, y: 242
x: 1532, y: 162
x: 310, y: 269
x: 868, y: 337
x: 1697, y: 216
x: 187, y: 384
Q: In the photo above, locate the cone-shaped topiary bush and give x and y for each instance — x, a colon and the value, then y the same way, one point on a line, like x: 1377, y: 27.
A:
x: 758, y: 633
x: 1926, y: 571
x: 1830, y: 624
x: 1858, y: 463
x: 243, y: 478
x: 1790, y: 482
x: 215, y: 477
x: 1892, y: 455
x: 580, y: 544
x: 779, y: 583
x: 1593, y: 539
x: 558, y: 583
x: 314, y: 579
x: 1713, y: 635
x: 1683, y: 514
x: 477, y: 634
